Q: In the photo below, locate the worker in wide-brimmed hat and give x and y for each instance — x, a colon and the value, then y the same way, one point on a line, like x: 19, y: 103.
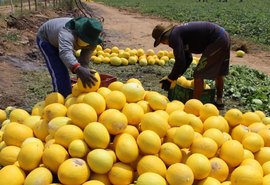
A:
x: 199, y: 37
x: 57, y: 40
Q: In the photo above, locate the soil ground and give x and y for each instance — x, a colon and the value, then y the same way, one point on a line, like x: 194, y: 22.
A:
x: 18, y: 52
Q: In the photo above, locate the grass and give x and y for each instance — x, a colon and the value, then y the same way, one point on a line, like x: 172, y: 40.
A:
x: 249, y: 19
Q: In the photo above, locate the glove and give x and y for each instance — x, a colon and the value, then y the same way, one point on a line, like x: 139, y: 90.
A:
x: 166, y: 83
x: 87, y: 76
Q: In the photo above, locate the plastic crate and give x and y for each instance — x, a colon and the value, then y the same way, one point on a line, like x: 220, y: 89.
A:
x: 106, y: 79
x: 184, y: 94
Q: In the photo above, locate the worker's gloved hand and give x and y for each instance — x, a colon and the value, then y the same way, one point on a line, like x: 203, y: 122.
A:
x: 166, y: 83
x: 87, y: 76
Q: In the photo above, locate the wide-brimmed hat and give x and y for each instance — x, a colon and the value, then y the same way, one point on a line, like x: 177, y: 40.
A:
x: 88, y: 29
x: 159, y: 31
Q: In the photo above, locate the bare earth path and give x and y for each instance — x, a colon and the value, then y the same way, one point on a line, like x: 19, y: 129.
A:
x: 125, y: 29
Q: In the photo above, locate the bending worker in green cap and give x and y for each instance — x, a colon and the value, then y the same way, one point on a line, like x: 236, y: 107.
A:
x: 57, y: 40
x: 199, y: 37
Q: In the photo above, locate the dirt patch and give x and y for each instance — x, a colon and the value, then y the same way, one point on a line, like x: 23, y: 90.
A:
x: 123, y: 29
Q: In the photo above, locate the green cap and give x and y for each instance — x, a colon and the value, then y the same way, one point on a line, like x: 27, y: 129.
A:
x: 88, y: 29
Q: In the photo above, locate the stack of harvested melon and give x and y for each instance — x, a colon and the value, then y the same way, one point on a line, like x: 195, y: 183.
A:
x: 123, y: 134
x: 128, y: 56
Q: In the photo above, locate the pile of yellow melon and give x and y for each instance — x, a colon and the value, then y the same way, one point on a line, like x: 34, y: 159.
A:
x: 123, y: 134
x: 128, y: 56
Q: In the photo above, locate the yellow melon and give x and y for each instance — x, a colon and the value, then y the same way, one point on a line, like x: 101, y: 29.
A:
x: 134, y: 113
x: 145, y: 105
x: 266, y: 179
x: 170, y: 153
x: 193, y: 106
x: 239, y: 131
x: 216, y: 135
x: 30, y: 162
x: 263, y: 155
x: 56, y: 123
x: 39, y: 174
x: 174, y: 105
x: 70, y: 101
x: 169, y: 135
x: 233, y: 159
x: 73, y: 171
x: 234, y: 117
x: 96, y: 101
x: 37, y: 109
x: 8, y: 174
x: 41, y: 129
x: 18, y: 115
x: 121, y: 173
x: 177, y: 118
x: 100, y: 161
x: 81, y: 114
x: 114, y: 120
x: 248, y: 154
x: 208, y: 110
x: 204, y: 145
x: 253, y: 142
x: 33, y: 141
x: 249, y: 118
x: 31, y: 121
x: 266, y: 120
x: 87, y: 88
x: 53, y: 156
x: 133, y: 92
x: 150, y: 178
x: 54, y: 110
x: 179, y: 173
x: 132, y: 130
x: 149, y: 142
x: 266, y: 168
x: 116, y: 85
x: 100, y: 177
x: 244, y: 175
x: 151, y: 163
x: 96, y: 135
x: 103, y: 91
x: 134, y: 80
x: 115, y: 61
x: 123, y: 142
x: 9, y: 155
x: 54, y: 97
x: 254, y: 164
x: 256, y: 127
x: 226, y: 183
x: 93, y: 182
x: 156, y: 100
x: 115, y: 100
x: 66, y: 134
x: 209, y: 181
x: 3, y: 115
x: 155, y: 122
x: 16, y: 133
x: 184, y: 136
x: 219, y: 169
x: 163, y: 113
x: 78, y: 148
x: 199, y: 164
x: 216, y: 122
x: 195, y: 122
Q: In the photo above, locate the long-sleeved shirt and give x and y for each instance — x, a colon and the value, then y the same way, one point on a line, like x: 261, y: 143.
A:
x: 192, y: 37
x: 55, y: 32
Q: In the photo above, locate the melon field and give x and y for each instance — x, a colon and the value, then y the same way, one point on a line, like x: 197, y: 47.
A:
x: 125, y: 130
